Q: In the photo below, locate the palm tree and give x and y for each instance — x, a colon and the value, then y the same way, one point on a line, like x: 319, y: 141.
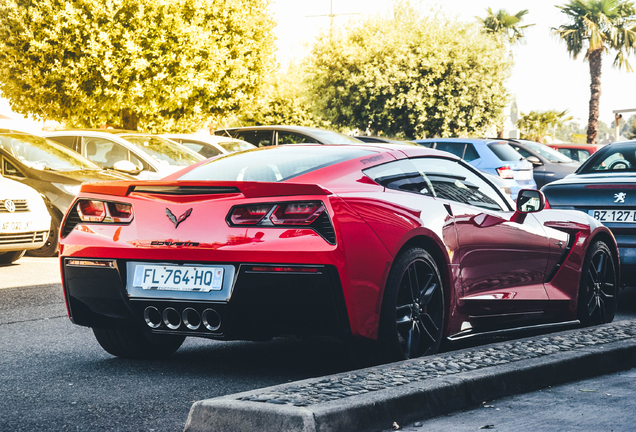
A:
x: 536, y: 124
x: 504, y: 24
x: 599, y: 26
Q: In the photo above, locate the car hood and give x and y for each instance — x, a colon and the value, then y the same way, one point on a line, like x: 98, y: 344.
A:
x: 13, y: 190
x: 79, y: 176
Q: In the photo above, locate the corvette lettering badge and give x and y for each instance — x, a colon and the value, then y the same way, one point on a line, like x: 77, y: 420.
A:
x: 620, y: 197
x: 174, y: 219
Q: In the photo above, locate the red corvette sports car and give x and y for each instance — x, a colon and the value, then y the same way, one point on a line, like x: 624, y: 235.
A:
x: 400, y: 245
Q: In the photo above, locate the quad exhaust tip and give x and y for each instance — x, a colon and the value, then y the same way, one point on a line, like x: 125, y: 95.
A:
x: 190, y: 318
x: 211, y: 319
x: 152, y: 317
x: 171, y: 318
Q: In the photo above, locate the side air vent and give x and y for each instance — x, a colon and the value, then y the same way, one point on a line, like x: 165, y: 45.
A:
x: 72, y: 220
x: 324, y: 227
x: 187, y: 190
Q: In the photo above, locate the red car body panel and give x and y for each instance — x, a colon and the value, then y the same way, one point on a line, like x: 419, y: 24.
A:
x: 491, y: 266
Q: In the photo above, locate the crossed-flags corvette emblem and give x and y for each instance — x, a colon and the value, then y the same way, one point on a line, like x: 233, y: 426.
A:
x: 176, y: 221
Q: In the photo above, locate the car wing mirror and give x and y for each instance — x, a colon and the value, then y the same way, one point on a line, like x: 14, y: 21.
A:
x: 126, y: 166
x: 528, y: 201
x: 534, y: 160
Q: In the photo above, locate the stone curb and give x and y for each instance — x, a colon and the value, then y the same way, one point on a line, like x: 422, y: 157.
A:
x: 372, y: 399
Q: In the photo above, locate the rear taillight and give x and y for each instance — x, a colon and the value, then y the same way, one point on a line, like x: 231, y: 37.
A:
x: 249, y: 215
x: 297, y: 213
x: 505, y: 173
x: 120, y: 212
x: 104, y: 211
x: 91, y: 211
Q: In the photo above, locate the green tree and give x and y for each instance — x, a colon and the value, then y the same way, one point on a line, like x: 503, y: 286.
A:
x: 598, y: 26
x: 502, y: 24
x: 152, y: 64
x: 409, y: 75
x: 285, y: 100
x: 536, y: 124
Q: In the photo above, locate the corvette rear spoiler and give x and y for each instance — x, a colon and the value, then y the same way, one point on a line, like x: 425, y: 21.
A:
x: 248, y: 189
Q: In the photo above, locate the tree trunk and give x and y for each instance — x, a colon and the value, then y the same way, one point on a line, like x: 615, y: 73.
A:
x: 594, y: 58
x: 129, y: 119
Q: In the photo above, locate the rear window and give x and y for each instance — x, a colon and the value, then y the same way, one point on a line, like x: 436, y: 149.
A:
x: 616, y: 158
x: 504, y: 152
x: 272, y: 164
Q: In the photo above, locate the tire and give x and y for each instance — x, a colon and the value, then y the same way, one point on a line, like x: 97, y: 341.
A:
x: 413, y: 308
x: 133, y: 343
x: 9, y: 257
x: 598, y: 289
x: 52, y: 244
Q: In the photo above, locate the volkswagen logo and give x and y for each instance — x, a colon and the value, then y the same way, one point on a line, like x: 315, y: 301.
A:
x: 9, y: 205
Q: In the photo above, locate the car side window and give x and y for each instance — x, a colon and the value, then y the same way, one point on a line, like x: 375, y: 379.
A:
x: 104, y: 152
x: 569, y: 153
x: 293, y: 138
x: 453, y: 181
x: 258, y: 138
x: 470, y: 154
x: 400, y: 175
x: 8, y: 169
x: 455, y: 148
x: 582, y: 155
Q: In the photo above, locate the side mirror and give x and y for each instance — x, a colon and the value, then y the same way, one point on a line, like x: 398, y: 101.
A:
x: 126, y: 167
x: 534, y: 160
x: 530, y: 201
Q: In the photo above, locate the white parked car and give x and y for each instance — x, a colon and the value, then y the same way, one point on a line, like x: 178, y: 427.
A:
x: 209, y: 145
x: 24, y: 220
x: 145, y: 156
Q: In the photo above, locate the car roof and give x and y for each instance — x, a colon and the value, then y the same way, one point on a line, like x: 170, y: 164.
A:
x: 305, y: 129
x: 479, y: 141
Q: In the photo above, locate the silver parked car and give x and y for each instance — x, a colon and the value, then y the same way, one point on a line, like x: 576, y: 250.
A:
x: 145, y: 156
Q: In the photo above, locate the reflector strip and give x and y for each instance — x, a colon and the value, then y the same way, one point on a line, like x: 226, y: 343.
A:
x: 610, y: 186
x: 87, y: 263
x: 276, y: 269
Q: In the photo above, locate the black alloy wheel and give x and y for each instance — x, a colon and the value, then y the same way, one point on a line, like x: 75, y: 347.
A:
x: 598, y: 290
x: 413, y: 311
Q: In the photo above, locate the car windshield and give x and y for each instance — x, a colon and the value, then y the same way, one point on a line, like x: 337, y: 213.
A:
x: 272, y: 164
x: 504, y: 152
x: 42, y: 154
x: 163, y: 150
x: 235, y: 146
x: 548, y: 153
x: 613, y: 158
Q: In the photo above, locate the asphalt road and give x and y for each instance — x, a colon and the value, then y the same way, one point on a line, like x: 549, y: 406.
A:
x: 54, y: 375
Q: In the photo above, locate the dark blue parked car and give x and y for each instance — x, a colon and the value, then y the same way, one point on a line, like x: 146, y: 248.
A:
x: 492, y: 156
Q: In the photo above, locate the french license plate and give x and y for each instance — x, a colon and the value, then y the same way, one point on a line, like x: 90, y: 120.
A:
x: 178, y: 278
x: 522, y: 175
x: 622, y: 216
x: 10, y: 226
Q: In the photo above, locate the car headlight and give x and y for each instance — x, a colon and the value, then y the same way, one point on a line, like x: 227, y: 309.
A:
x: 70, y: 189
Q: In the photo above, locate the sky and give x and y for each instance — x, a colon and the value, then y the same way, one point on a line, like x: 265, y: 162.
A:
x: 544, y: 76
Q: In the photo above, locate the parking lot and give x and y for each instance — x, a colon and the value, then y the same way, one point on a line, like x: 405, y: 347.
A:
x: 54, y: 375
